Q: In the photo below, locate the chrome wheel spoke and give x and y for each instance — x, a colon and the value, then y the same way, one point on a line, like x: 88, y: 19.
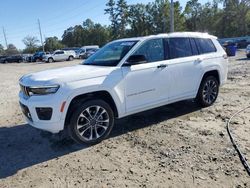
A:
x: 93, y: 122
x: 88, y: 112
x: 102, y: 126
x: 82, y: 132
x: 210, y: 91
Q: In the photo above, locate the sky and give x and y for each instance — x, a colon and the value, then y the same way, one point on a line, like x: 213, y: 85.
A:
x: 19, y: 18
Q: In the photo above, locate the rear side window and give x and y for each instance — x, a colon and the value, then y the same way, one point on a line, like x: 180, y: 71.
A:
x: 179, y: 47
x: 205, y: 45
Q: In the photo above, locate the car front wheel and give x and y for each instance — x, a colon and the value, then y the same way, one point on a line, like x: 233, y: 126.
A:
x: 208, y: 91
x: 91, y: 122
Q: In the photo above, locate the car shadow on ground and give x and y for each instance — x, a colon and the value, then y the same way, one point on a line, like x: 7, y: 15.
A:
x: 243, y: 59
x: 23, y: 146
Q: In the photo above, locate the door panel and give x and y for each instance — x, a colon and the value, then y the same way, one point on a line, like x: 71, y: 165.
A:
x: 184, y: 76
x: 145, y: 85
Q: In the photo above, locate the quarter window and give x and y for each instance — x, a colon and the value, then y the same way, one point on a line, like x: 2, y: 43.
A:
x: 153, y: 50
x: 179, y: 47
x: 205, y: 45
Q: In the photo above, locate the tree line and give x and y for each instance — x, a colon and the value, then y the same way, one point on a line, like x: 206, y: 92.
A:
x: 223, y: 18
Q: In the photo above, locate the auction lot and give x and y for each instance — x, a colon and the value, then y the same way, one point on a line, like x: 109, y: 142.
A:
x: 179, y: 145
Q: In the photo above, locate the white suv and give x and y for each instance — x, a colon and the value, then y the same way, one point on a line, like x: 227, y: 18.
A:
x: 60, y: 55
x: 124, y: 77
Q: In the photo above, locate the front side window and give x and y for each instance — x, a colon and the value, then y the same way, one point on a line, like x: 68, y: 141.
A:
x: 152, y: 50
x: 111, y: 54
x: 179, y: 47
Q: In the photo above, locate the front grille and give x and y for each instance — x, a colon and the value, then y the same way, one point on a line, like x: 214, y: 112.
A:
x: 25, y: 90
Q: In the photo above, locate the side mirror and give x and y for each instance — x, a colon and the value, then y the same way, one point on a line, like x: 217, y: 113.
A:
x: 135, y: 59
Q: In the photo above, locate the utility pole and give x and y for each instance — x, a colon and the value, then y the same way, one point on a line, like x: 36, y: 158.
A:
x: 40, y: 33
x: 172, y: 17
x: 5, y: 38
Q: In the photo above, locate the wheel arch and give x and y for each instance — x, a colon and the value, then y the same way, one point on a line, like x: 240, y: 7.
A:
x: 214, y: 73
x: 78, y: 99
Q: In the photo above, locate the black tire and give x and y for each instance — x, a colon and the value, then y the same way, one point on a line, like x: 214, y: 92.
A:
x: 37, y: 60
x: 19, y: 61
x: 6, y: 61
x: 91, y: 133
x: 208, y: 91
x: 248, y: 56
x: 71, y: 58
x: 50, y: 60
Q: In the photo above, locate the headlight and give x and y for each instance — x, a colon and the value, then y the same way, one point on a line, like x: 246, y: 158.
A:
x: 43, y: 90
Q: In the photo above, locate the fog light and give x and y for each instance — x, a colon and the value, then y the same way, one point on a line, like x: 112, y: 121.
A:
x: 44, y: 113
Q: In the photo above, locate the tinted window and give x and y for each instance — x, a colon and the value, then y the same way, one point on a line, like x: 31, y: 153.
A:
x: 153, y: 50
x: 205, y: 45
x: 111, y: 54
x: 194, y: 47
x: 61, y: 52
x: 179, y: 47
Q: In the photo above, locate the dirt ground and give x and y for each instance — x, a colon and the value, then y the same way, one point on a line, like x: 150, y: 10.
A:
x: 179, y: 145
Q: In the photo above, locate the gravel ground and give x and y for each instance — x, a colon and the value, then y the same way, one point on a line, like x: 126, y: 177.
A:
x: 178, y: 145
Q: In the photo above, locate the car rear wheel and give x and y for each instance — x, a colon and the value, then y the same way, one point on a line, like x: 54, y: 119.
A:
x: 91, y: 122
x: 50, y: 60
x: 208, y: 91
x: 6, y: 61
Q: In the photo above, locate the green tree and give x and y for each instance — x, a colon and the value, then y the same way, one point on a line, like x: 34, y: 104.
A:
x: 111, y: 10
x: 52, y: 44
x: 192, y: 12
x: 122, y: 17
x: 30, y: 43
x: 11, y: 50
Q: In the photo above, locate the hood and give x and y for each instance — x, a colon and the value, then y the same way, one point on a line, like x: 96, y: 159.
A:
x: 66, y: 74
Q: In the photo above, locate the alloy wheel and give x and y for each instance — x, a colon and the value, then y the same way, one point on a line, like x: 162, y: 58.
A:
x: 92, y: 123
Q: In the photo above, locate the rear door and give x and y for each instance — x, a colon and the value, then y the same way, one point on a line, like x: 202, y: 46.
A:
x: 184, y: 68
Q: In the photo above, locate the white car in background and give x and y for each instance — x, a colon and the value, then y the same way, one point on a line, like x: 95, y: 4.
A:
x: 124, y: 77
x: 60, y: 55
x: 82, y: 52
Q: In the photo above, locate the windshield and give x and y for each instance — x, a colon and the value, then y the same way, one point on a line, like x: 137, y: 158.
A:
x: 111, y: 54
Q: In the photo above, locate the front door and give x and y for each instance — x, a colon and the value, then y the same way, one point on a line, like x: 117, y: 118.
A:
x: 145, y: 84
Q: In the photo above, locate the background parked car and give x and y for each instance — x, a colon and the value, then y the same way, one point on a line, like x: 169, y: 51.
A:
x: 27, y: 57
x: 2, y: 58
x: 38, y: 56
x: 11, y: 59
x: 60, y: 55
x: 89, y: 53
x: 81, y: 53
x: 248, y: 51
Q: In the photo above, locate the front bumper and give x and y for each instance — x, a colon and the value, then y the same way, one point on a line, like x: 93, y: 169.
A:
x: 29, y: 108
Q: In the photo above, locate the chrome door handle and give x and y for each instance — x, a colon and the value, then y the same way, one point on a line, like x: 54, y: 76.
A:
x: 161, y: 66
x: 198, y: 60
